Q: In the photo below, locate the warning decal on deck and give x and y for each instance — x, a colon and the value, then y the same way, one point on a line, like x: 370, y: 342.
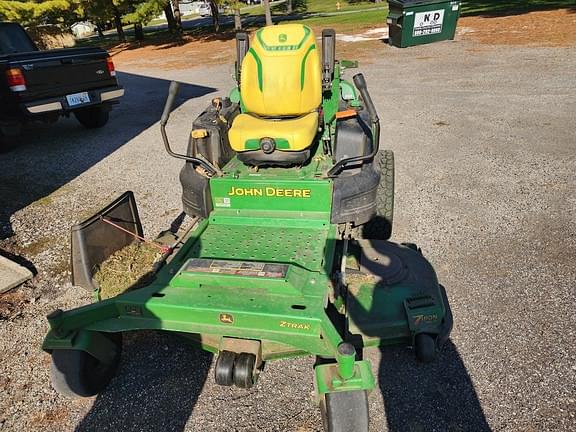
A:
x: 222, y: 202
x: 238, y: 268
x: 428, y: 23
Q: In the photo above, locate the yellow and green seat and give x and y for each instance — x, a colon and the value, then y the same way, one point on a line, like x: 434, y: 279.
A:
x: 281, y: 92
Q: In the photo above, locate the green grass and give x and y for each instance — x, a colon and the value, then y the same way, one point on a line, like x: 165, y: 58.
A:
x: 105, y: 42
x: 348, y: 21
x: 159, y: 21
x: 512, y: 7
x: 317, y: 6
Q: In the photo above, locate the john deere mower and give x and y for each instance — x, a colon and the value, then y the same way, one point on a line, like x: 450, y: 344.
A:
x: 290, y: 254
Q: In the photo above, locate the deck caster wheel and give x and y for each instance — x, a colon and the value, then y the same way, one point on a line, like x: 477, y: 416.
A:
x: 244, y: 370
x: 224, y: 370
x: 425, y: 347
x: 76, y: 373
x: 345, y: 411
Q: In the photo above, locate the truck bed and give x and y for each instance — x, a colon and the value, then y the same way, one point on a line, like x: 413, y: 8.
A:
x: 60, y: 72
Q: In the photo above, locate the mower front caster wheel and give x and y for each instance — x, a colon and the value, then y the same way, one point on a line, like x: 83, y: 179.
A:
x: 76, y: 373
x: 244, y: 370
x: 224, y: 369
x: 345, y: 411
x: 425, y: 347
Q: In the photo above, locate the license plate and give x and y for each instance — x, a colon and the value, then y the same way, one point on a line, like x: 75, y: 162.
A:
x: 78, y: 99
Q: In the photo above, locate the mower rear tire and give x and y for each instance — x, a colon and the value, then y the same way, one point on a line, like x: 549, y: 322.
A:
x: 345, y: 411
x: 244, y: 370
x: 380, y: 226
x: 224, y: 369
x: 425, y: 347
x: 76, y: 373
x: 93, y: 117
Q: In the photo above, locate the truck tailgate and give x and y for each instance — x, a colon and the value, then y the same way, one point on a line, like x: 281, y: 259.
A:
x: 61, y: 72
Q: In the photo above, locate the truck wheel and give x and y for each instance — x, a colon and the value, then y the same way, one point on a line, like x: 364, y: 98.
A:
x: 345, y: 411
x: 93, y: 117
x: 76, y: 373
x: 8, y: 138
x: 380, y: 226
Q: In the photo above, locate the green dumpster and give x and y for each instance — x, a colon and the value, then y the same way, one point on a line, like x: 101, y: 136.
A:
x: 416, y: 22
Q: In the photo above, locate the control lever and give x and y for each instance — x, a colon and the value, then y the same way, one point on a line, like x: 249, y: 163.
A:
x: 172, y: 92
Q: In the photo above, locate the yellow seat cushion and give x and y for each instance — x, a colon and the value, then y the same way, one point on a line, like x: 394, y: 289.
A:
x: 295, y: 134
x: 281, y: 73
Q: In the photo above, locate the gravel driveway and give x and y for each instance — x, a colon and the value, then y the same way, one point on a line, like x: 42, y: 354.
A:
x: 485, y: 142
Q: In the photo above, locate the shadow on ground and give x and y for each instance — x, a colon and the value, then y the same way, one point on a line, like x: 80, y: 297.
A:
x: 498, y: 8
x: 418, y: 397
x: 49, y: 156
x: 424, y: 397
x: 155, y: 389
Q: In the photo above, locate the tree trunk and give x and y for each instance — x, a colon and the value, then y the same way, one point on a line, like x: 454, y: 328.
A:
x: 237, y: 19
x: 289, y: 6
x: 215, y: 16
x: 118, y: 24
x: 99, y: 30
x: 170, y: 18
x: 267, y: 12
x: 177, y: 16
x: 138, y: 32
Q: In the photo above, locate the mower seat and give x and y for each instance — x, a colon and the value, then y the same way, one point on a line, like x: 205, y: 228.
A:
x: 281, y: 91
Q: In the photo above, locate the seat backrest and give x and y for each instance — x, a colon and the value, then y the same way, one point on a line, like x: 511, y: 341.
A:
x: 281, y: 74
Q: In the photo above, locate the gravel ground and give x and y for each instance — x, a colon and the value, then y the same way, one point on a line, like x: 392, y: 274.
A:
x: 485, y: 152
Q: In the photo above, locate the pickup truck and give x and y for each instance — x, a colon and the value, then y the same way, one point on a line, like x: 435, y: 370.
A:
x: 44, y: 85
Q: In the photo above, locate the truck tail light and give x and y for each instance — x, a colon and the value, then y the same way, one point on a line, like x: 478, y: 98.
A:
x: 16, y: 80
x: 110, y: 65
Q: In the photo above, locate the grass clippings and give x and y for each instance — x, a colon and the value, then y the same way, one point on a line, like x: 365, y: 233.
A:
x: 126, y: 269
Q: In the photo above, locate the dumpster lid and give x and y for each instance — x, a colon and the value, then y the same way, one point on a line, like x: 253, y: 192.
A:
x: 419, y: 2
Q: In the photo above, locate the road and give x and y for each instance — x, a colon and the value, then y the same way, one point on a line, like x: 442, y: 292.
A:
x: 485, y: 152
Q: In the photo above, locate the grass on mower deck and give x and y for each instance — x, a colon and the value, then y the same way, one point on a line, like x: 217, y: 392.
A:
x: 126, y: 269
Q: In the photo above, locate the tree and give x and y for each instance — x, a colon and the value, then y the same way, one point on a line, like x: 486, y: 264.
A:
x: 104, y: 11
x: 214, y: 4
x: 235, y: 5
x: 170, y: 17
x: 177, y: 16
x: 118, y: 24
x: 142, y: 12
x: 237, y: 19
x: 33, y: 13
x: 267, y: 12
